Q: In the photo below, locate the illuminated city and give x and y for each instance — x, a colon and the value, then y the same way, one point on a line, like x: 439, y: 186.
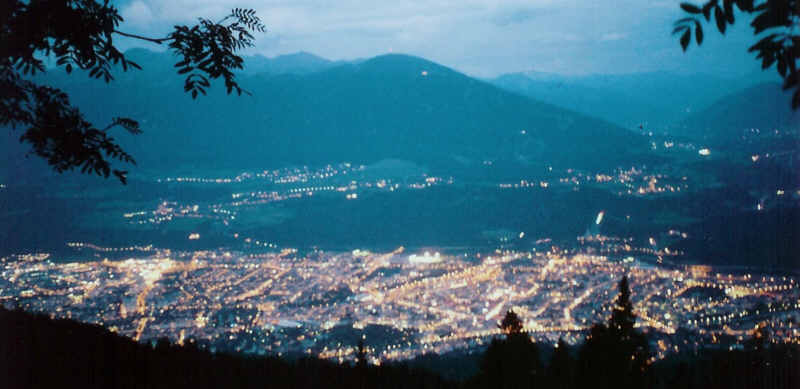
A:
x: 453, y: 195
x: 423, y: 302
x: 264, y: 297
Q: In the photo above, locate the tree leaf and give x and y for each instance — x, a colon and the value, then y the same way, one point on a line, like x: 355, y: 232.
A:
x: 698, y: 33
x: 767, y: 61
x: 707, y: 10
x: 796, y: 99
x: 764, y: 21
x: 685, y: 38
x: 782, y: 68
x: 691, y: 8
x: 729, y: 11
x: 745, y: 5
x: 719, y: 16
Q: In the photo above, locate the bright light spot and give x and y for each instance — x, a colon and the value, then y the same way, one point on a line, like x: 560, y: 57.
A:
x: 599, y: 217
x: 704, y: 152
x: 200, y: 321
x: 424, y: 73
x: 194, y: 236
x: 360, y: 253
x: 425, y: 258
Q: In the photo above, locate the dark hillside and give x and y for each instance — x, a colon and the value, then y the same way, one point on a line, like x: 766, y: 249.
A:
x: 760, y: 109
x: 39, y: 352
x: 392, y: 106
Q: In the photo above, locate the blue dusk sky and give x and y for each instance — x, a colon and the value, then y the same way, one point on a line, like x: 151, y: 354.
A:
x: 479, y: 37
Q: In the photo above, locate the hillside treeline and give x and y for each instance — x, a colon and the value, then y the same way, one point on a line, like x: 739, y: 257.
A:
x: 37, y: 351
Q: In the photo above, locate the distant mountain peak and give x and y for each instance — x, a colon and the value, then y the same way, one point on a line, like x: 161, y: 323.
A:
x: 301, y: 55
x: 301, y: 62
x: 390, y: 107
x: 394, y: 62
x: 399, y: 58
x: 764, y: 106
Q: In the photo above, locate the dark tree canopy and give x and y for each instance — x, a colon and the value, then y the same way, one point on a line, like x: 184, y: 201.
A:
x: 361, y: 354
x: 79, y: 34
x: 615, y: 355
x: 42, y: 352
x: 511, y: 324
x: 622, y: 317
x: 778, y: 20
x: 512, y: 361
x: 560, y: 372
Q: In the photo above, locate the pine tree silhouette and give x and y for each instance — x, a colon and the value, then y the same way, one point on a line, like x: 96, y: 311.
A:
x: 511, y: 324
x: 361, y: 364
x: 512, y: 361
x: 615, y: 355
x: 561, y: 369
x: 622, y: 317
x: 361, y: 355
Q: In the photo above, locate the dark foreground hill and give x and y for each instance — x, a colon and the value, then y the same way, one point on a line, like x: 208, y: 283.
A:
x: 392, y: 106
x: 37, y: 351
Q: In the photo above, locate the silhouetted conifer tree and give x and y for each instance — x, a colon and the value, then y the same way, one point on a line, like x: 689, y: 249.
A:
x: 615, y: 355
x: 560, y: 372
x: 513, y: 361
x: 511, y: 324
x: 361, y: 355
x: 39, y: 352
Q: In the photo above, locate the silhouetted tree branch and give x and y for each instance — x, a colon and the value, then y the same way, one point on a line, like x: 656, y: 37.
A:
x: 144, y: 38
x: 80, y: 34
x: 779, y: 18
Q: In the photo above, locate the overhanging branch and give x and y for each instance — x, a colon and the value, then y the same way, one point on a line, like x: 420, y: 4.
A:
x: 144, y: 38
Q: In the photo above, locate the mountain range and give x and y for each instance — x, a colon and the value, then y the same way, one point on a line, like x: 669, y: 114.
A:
x: 296, y: 63
x: 391, y: 106
x: 763, y: 108
x: 304, y: 109
x: 655, y: 101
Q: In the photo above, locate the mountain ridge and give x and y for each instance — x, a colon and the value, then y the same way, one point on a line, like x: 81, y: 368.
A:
x: 391, y: 106
x: 654, y: 100
x: 733, y: 113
